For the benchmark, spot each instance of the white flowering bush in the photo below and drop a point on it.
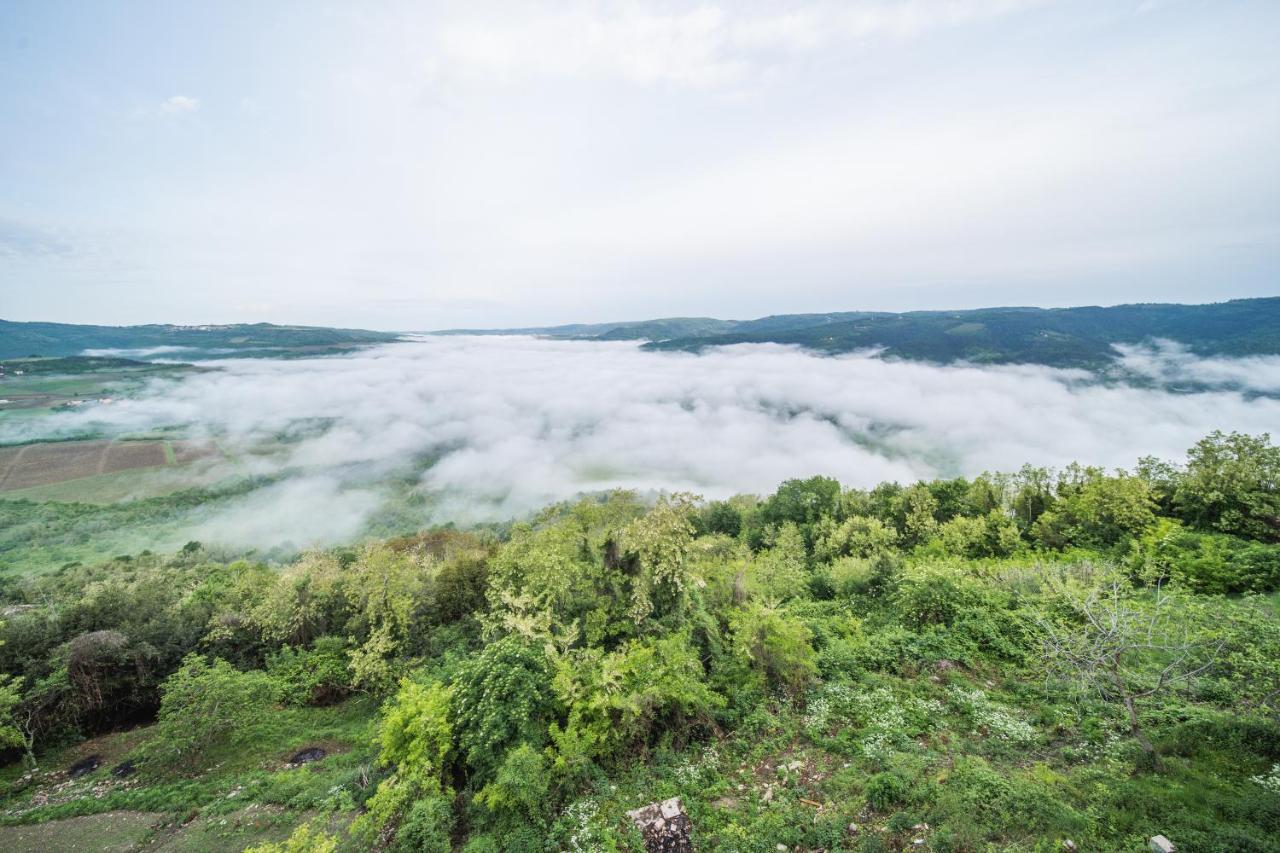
(884, 723)
(983, 712)
(580, 816)
(1269, 781)
(699, 770)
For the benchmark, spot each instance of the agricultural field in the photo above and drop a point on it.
(95, 471)
(33, 386)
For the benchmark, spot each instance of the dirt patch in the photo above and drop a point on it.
(190, 451)
(122, 456)
(109, 831)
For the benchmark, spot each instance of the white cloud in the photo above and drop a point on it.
(179, 105)
(1171, 363)
(517, 422)
(700, 47)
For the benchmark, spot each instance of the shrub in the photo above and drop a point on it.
(620, 699)
(886, 790)
(502, 698)
(208, 705)
(774, 645)
(305, 839)
(315, 676)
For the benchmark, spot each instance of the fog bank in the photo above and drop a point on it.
(492, 427)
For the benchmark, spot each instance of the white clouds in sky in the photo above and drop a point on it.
(414, 166)
(179, 105)
(518, 422)
(699, 46)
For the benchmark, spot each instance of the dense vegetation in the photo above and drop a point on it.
(998, 663)
(18, 340)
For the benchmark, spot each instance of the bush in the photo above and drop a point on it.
(502, 698)
(209, 705)
(886, 790)
(1213, 563)
(315, 676)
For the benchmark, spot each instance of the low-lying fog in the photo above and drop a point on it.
(513, 423)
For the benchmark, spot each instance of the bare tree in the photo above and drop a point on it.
(1129, 646)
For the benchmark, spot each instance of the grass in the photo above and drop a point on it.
(240, 795)
(109, 831)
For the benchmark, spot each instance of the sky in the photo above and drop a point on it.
(431, 165)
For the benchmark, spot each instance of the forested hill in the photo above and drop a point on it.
(1060, 337)
(18, 340)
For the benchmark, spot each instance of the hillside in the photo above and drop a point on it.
(19, 340)
(1058, 337)
(1043, 661)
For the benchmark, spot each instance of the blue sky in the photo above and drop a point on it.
(417, 165)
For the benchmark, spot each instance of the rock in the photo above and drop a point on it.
(1160, 844)
(123, 770)
(84, 765)
(1069, 845)
(852, 829)
(664, 826)
(768, 794)
(311, 753)
(944, 665)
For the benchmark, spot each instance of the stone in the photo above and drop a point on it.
(84, 766)
(852, 828)
(1069, 845)
(664, 826)
(1160, 844)
(312, 753)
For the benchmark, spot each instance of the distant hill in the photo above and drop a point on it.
(18, 340)
(626, 330)
(1060, 337)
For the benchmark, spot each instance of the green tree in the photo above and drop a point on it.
(1232, 484)
(502, 697)
(205, 706)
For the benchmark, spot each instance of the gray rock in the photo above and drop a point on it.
(1160, 844)
(664, 826)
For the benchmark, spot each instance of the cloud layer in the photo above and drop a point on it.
(497, 426)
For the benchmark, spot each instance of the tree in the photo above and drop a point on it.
(1232, 484)
(660, 541)
(502, 697)
(208, 705)
(917, 515)
(1128, 649)
(416, 738)
(10, 700)
(779, 573)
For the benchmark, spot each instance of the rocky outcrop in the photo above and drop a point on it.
(664, 826)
